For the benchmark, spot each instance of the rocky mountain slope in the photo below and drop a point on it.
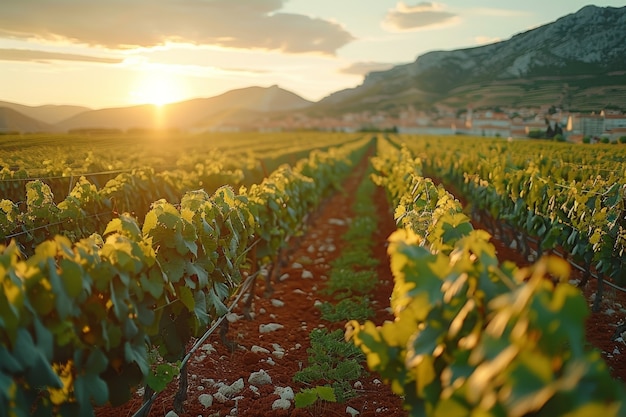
(576, 62)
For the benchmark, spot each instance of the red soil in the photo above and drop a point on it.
(298, 316)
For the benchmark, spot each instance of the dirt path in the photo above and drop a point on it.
(281, 353)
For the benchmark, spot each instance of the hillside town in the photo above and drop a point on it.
(545, 122)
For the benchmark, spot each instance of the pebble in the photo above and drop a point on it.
(270, 327)
(259, 378)
(286, 393)
(206, 400)
(277, 303)
(281, 404)
(353, 412)
(258, 349)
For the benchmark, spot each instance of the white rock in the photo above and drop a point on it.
(283, 277)
(616, 351)
(307, 274)
(270, 361)
(273, 316)
(310, 249)
(262, 310)
(200, 358)
(299, 291)
(270, 327)
(206, 400)
(259, 349)
(328, 248)
(286, 393)
(352, 411)
(317, 303)
(277, 303)
(233, 317)
(358, 385)
(208, 348)
(337, 222)
(208, 381)
(377, 382)
(296, 265)
(171, 414)
(255, 390)
(259, 378)
(200, 388)
(229, 391)
(220, 398)
(281, 404)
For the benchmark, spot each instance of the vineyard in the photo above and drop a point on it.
(125, 259)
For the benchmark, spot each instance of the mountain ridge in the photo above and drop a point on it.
(590, 42)
(575, 63)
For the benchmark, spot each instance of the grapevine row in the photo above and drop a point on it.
(78, 319)
(472, 336)
(59, 161)
(579, 209)
(88, 208)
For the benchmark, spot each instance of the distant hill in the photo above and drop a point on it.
(48, 113)
(577, 62)
(14, 121)
(195, 113)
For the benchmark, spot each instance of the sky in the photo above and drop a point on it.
(115, 53)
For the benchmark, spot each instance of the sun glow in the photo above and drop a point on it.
(158, 88)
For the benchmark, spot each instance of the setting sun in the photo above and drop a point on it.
(158, 88)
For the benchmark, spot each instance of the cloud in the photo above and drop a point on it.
(44, 56)
(423, 15)
(118, 24)
(362, 68)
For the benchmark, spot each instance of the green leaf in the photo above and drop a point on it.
(153, 282)
(185, 295)
(200, 308)
(326, 393)
(137, 353)
(162, 375)
(45, 340)
(62, 301)
(88, 387)
(72, 277)
(305, 398)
